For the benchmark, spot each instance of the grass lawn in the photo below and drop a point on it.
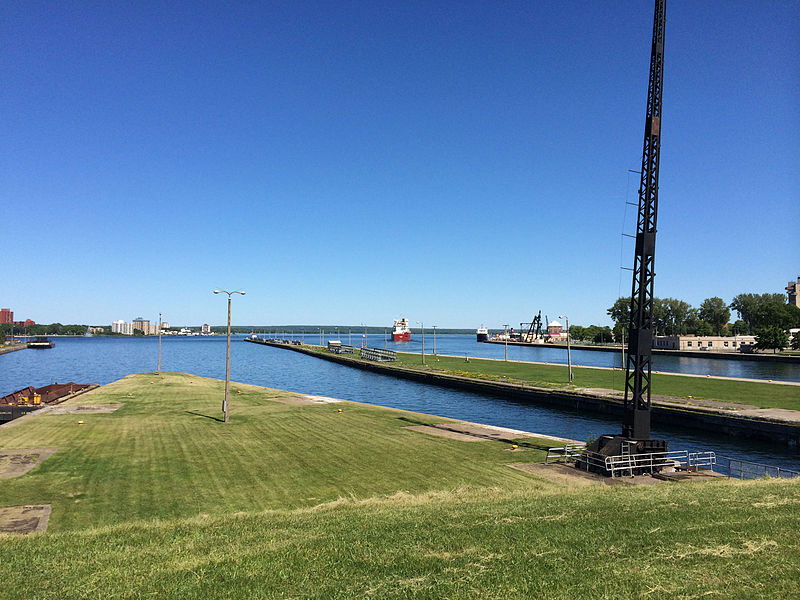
(302, 501)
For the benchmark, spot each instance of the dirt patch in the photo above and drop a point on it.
(304, 400)
(17, 462)
(321, 399)
(446, 433)
(83, 409)
(24, 519)
(563, 474)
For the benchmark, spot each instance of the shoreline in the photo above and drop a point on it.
(772, 425)
(12, 348)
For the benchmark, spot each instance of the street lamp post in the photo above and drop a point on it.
(505, 339)
(434, 340)
(569, 352)
(159, 343)
(422, 326)
(228, 352)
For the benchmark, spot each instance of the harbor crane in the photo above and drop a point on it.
(636, 421)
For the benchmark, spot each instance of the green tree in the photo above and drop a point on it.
(676, 314)
(703, 328)
(747, 306)
(602, 335)
(775, 313)
(620, 312)
(772, 338)
(716, 313)
(577, 332)
(739, 327)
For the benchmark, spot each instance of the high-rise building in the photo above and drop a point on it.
(142, 325)
(792, 291)
(122, 327)
(6, 315)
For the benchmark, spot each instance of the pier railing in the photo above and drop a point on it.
(378, 355)
(744, 469)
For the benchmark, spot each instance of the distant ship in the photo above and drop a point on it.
(41, 343)
(483, 334)
(401, 331)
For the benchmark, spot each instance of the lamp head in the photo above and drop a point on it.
(217, 291)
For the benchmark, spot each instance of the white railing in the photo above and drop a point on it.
(570, 452)
(631, 464)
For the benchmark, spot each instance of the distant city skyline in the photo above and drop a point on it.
(351, 162)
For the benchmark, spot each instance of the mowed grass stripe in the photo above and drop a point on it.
(163, 455)
(655, 541)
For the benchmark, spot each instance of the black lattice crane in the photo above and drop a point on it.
(636, 423)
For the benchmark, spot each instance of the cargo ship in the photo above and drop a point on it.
(482, 333)
(401, 331)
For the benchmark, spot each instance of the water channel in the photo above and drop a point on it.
(103, 360)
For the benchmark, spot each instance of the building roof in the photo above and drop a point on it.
(554, 324)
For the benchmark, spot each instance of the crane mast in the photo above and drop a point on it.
(636, 421)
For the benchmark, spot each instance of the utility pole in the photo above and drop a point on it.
(636, 421)
(228, 352)
(159, 343)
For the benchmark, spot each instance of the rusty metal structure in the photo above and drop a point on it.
(636, 422)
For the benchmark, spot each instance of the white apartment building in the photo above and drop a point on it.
(122, 327)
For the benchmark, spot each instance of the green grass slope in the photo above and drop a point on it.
(289, 501)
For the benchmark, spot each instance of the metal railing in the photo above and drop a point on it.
(342, 349)
(631, 464)
(564, 454)
(378, 355)
(744, 469)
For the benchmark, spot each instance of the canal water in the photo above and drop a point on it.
(102, 360)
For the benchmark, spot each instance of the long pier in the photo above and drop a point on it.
(774, 425)
(795, 359)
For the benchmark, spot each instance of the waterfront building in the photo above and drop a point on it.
(205, 328)
(555, 332)
(6, 315)
(164, 325)
(142, 325)
(791, 290)
(122, 327)
(705, 343)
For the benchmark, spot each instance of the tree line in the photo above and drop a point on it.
(766, 316)
(7, 329)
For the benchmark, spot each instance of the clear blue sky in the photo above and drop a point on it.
(456, 163)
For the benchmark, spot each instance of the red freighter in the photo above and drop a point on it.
(401, 332)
